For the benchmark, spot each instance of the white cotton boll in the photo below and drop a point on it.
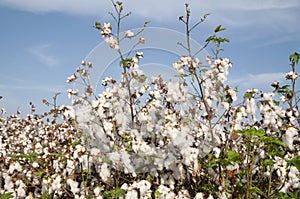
(183, 194)
(225, 105)
(70, 166)
(105, 172)
(293, 175)
(95, 151)
(217, 151)
(35, 165)
(285, 187)
(56, 184)
(210, 197)
(124, 186)
(132, 194)
(8, 184)
(21, 189)
(268, 96)
(97, 191)
(199, 196)
(45, 185)
(144, 187)
(267, 174)
(289, 137)
(15, 166)
(129, 33)
(74, 186)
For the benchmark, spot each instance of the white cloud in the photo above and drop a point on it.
(259, 18)
(33, 88)
(40, 52)
(261, 81)
(161, 10)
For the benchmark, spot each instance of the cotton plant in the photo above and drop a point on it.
(219, 145)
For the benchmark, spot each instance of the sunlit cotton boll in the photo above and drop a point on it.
(105, 172)
(289, 137)
(129, 33)
(74, 186)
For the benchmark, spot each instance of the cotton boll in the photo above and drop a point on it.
(105, 172)
(289, 137)
(74, 186)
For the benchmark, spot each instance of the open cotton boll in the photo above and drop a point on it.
(289, 137)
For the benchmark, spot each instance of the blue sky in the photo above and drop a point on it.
(43, 41)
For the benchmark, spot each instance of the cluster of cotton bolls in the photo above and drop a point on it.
(39, 154)
(171, 141)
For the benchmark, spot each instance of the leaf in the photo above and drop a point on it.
(146, 23)
(114, 193)
(206, 15)
(257, 190)
(248, 95)
(234, 156)
(226, 40)
(119, 3)
(157, 193)
(268, 162)
(219, 28)
(295, 161)
(188, 120)
(45, 102)
(210, 38)
(252, 132)
(7, 195)
(106, 159)
(295, 58)
(276, 102)
(126, 62)
(271, 140)
(118, 192)
(98, 25)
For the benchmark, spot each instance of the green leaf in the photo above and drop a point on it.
(226, 40)
(257, 190)
(271, 140)
(234, 156)
(268, 162)
(248, 95)
(106, 159)
(276, 102)
(146, 23)
(7, 195)
(252, 132)
(126, 62)
(118, 192)
(210, 38)
(219, 28)
(119, 3)
(98, 25)
(188, 120)
(295, 58)
(206, 15)
(295, 161)
(287, 195)
(114, 193)
(157, 193)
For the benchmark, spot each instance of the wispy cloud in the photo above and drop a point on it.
(33, 88)
(260, 81)
(157, 10)
(41, 53)
(269, 18)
